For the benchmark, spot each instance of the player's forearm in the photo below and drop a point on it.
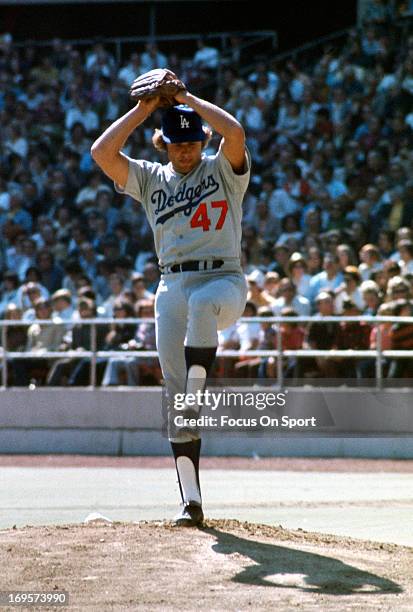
(220, 120)
(111, 142)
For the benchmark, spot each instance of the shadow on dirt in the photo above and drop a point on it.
(282, 567)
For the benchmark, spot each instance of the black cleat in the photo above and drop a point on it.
(191, 515)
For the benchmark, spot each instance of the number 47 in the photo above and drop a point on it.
(200, 217)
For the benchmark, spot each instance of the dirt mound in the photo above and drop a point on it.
(226, 565)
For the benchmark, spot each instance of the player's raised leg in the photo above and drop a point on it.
(216, 304)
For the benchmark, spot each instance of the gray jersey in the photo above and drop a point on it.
(193, 216)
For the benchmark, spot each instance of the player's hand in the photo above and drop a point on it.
(181, 97)
(149, 105)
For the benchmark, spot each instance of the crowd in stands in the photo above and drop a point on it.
(328, 216)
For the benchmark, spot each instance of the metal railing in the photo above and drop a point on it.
(313, 45)
(378, 354)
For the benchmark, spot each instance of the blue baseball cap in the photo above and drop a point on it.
(182, 124)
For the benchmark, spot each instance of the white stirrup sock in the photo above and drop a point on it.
(188, 480)
(195, 381)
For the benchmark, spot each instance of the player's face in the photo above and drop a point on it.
(184, 156)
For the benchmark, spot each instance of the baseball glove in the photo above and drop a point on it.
(159, 82)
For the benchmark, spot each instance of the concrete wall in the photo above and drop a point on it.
(130, 422)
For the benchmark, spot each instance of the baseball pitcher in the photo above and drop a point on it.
(194, 206)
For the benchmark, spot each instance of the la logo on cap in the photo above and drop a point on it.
(184, 122)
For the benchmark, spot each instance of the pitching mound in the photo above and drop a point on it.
(226, 565)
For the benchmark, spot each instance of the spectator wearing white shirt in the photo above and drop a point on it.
(329, 279)
(370, 257)
(113, 104)
(249, 114)
(28, 257)
(349, 290)
(248, 333)
(256, 292)
(309, 110)
(403, 233)
(100, 61)
(264, 90)
(91, 190)
(9, 288)
(117, 286)
(388, 81)
(398, 288)
(89, 259)
(4, 195)
(271, 76)
(78, 142)
(290, 123)
(271, 282)
(13, 254)
(206, 58)
(32, 96)
(290, 229)
(252, 118)
(340, 107)
(370, 45)
(152, 58)
(40, 337)
(79, 112)
(287, 296)
(62, 304)
(406, 256)
(298, 81)
(371, 294)
(282, 204)
(128, 73)
(15, 142)
(334, 187)
(228, 338)
(297, 268)
(409, 120)
(138, 287)
(27, 295)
